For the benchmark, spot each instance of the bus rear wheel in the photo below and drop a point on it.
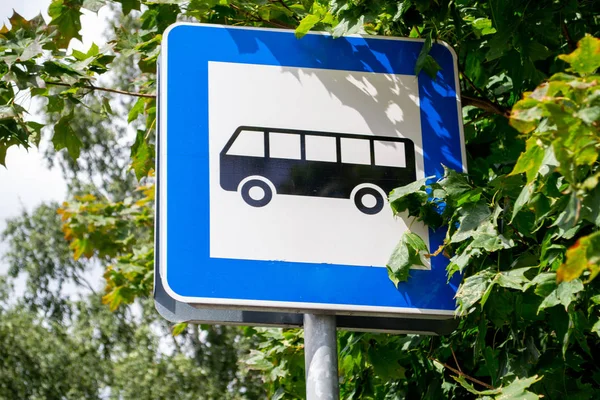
(256, 193)
(368, 200)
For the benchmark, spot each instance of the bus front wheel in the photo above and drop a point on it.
(368, 200)
(256, 193)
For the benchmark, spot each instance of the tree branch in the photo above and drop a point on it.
(86, 283)
(117, 91)
(482, 102)
(455, 360)
(485, 105)
(257, 18)
(282, 3)
(470, 378)
(570, 42)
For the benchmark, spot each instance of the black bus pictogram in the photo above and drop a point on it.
(261, 162)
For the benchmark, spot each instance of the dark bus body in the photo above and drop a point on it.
(304, 177)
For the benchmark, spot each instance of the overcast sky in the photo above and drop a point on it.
(26, 182)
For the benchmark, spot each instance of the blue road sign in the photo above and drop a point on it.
(276, 155)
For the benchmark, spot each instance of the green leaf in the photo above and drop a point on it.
(486, 235)
(385, 362)
(460, 261)
(349, 27)
(512, 279)
(106, 108)
(473, 289)
(129, 5)
(142, 156)
(590, 115)
(179, 328)
(589, 207)
(484, 26)
(425, 62)
(596, 328)
(409, 197)
(471, 389)
(403, 7)
(518, 389)
(258, 361)
(65, 16)
(471, 216)
(55, 104)
(65, 137)
(583, 256)
(408, 253)
(36, 131)
(32, 50)
(569, 217)
(585, 60)
(118, 296)
(454, 183)
(564, 293)
(530, 161)
(307, 24)
(136, 110)
(7, 112)
(93, 5)
(523, 199)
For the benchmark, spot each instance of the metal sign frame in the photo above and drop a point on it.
(176, 311)
(276, 285)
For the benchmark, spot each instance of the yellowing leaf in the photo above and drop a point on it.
(525, 115)
(583, 256)
(586, 58)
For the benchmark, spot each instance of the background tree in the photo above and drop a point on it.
(57, 339)
(522, 225)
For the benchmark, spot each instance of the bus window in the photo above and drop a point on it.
(248, 143)
(320, 148)
(356, 151)
(284, 145)
(389, 154)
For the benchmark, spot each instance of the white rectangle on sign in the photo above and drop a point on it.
(306, 228)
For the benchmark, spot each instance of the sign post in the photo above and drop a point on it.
(275, 157)
(321, 357)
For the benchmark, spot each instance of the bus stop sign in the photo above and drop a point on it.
(275, 159)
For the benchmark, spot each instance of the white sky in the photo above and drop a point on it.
(26, 182)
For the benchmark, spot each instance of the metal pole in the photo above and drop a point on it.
(321, 358)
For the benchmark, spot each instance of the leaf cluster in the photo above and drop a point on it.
(527, 237)
(120, 231)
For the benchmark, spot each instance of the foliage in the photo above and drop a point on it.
(99, 354)
(521, 226)
(124, 354)
(116, 230)
(41, 362)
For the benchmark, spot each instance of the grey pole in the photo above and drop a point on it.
(321, 358)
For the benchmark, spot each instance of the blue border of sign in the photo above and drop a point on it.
(188, 272)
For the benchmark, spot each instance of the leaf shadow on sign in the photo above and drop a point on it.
(383, 108)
